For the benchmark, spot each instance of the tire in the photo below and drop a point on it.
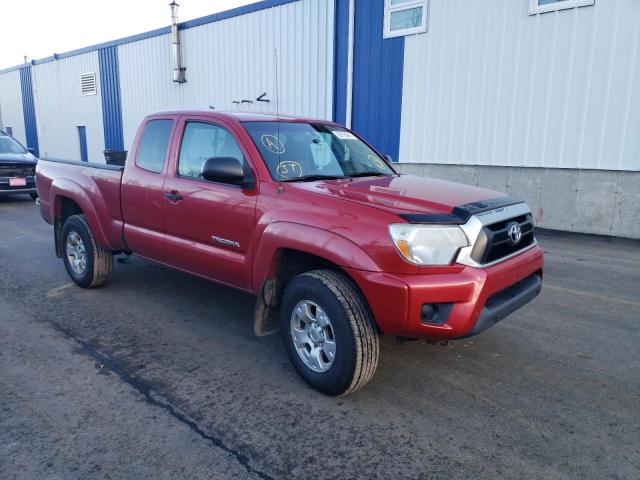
(34, 196)
(355, 340)
(98, 262)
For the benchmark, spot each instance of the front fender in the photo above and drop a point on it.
(92, 210)
(315, 241)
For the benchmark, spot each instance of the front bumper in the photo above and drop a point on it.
(478, 297)
(30, 187)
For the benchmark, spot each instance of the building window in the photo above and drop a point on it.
(543, 6)
(404, 17)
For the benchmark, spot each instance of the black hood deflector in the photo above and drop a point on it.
(461, 214)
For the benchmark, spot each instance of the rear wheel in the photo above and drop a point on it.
(329, 332)
(87, 263)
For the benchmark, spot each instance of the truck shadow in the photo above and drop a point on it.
(219, 320)
(16, 198)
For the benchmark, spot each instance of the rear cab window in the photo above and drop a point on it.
(152, 149)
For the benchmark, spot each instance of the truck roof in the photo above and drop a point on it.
(241, 116)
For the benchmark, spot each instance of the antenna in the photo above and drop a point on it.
(275, 53)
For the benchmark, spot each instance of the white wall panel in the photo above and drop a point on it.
(491, 85)
(60, 108)
(233, 59)
(11, 114)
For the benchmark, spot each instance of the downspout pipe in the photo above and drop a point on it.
(176, 50)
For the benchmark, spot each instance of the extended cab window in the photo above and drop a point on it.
(152, 149)
(202, 141)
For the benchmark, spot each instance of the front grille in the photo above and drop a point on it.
(495, 243)
(17, 170)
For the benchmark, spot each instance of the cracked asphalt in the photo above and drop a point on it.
(158, 375)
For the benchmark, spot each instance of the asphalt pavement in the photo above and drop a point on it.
(158, 375)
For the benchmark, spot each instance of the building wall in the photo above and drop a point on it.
(544, 107)
(489, 84)
(234, 59)
(61, 108)
(11, 114)
(603, 202)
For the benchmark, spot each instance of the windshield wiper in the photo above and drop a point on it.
(311, 178)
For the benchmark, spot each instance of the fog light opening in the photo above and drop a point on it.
(435, 313)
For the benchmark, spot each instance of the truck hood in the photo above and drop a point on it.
(17, 158)
(403, 194)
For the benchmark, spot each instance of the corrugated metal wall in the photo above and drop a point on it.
(490, 85)
(233, 59)
(11, 104)
(61, 109)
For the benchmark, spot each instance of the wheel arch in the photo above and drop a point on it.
(69, 198)
(281, 238)
(287, 250)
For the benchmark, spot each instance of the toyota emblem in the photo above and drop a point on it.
(515, 233)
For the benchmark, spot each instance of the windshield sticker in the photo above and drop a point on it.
(273, 144)
(377, 162)
(289, 169)
(344, 135)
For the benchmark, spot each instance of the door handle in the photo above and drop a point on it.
(173, 195)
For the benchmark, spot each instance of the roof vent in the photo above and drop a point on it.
(88, 84)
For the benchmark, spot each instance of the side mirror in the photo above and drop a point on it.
(388, 158)
(225, 170)
(32, 151)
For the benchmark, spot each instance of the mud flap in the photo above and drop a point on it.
(266, 313)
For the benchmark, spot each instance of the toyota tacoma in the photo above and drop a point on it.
(337, 246)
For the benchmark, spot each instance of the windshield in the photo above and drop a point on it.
(9, 145)
(298, 151)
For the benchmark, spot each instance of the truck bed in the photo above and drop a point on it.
(95, 187)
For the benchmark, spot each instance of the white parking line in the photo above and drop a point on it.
(58, 291)
(592, 295)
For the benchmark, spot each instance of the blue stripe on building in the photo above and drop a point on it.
(111, 102)
(28, 109)
(378, 65)
(340, 60)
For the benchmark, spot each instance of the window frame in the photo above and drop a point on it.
(535, 8)
(248, 171)
(408, 5)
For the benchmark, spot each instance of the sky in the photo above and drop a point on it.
(40, 28)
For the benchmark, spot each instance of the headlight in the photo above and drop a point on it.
(428, 244)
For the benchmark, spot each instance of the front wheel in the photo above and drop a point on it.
(329, 332)
(87, 263)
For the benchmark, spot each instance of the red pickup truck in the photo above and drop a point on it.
(304, 214)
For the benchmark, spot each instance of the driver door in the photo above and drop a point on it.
(209, 226)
